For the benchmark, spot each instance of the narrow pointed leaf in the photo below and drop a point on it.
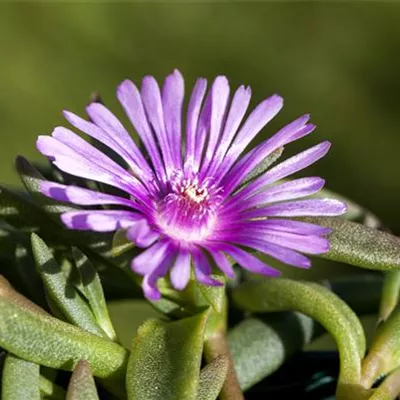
(20, 379)
(26, 267)
(19, 211)
(82, 386)
(319, 303)
(260, 346)
(358, 245)
(212, 377)
(31, 179)
(50, 342)
(60, 289)
(93, 291)
(165, 359)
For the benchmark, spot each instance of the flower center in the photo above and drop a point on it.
(187, 212)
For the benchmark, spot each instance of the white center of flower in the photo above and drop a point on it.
(187, 212)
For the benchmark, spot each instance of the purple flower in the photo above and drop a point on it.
(188, 203)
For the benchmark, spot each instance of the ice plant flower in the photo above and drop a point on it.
(188, 201)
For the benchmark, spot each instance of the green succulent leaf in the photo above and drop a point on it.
(165, 359)
(20, 379)
(389, 389)
(57, 281)
(50, 342)
(49, 390)
(215, 295)
(384, 353)
(8, 292)
(259, 346)
(26, 267)
(19, 211)
(212, 377)
(358, 245)
(82, 385)
(31, 179)
(91, 288)
(390, 294)
(272, 295)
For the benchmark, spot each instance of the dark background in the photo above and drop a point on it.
(340, 61)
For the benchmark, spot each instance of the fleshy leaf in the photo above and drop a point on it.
(358, 245)
(27, 271)
(214, 295)
(389, 389)
(390, 294)
(8, 292)
(384, 353)
(260, 346)
(31, 179)
(92, 290)
(19, 211)
(50, 342)
(165, 359)
(49, 390)
(20, 379)
(319, 303)
(59, 288)
(82, 386)
(212, 377)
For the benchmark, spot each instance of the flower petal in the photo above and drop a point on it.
(150, 258)
(285, 225)
(248, 261)
(152, 102)
(283, 254)
(131, 101)
(295, 189)
(81, 196)
(149, 283)
(203, 129)
(300, 208)
(99, 220)
(141, 234)
(180, 271)
(219, 105)
(237, 110)
(287, 167)
(193, 113)
(109, 131)
(294, 131)
(221, 261)
(172, 100)
(202, 269)
(68, 160)
(307, 244)
(260, 117)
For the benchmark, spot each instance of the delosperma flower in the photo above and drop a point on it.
(189, 202)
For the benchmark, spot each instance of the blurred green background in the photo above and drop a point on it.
(339, 61)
